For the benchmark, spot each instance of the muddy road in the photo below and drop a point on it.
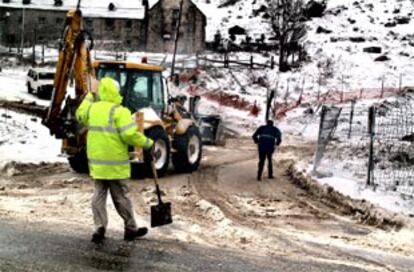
(224, 220)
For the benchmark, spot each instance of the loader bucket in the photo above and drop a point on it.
(209, 126)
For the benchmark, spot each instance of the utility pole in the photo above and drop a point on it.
(177, 33)
(34, 47)
(3, 27)
(22, 34)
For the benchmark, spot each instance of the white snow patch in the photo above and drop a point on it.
(24, 139)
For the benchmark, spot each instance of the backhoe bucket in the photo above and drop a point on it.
(209, 125)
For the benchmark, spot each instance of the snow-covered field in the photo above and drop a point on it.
(353, 69)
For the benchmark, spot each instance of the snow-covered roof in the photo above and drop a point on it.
(90, 8)
(152, 3)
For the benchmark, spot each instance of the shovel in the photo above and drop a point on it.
(160, 213)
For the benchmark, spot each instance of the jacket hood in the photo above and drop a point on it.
(109, 91)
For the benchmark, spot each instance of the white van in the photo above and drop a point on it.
(40, 81)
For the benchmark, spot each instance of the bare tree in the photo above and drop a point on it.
(287, 23)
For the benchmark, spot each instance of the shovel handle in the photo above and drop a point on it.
(155, 174)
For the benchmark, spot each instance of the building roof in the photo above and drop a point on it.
(152, 3)
(90, 8)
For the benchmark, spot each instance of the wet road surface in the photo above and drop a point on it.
(38, 247)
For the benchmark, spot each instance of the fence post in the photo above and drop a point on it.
(360, 93)
(43, 53)
(371, 131)
(317, 155)
(342, 89)
(382, 87)
(270, 96)
(351, 117)
(251, 62)
(400, 84)
(319, 87)
(226, 60)
(272, 62)
(34, 47)
(287, 92)
(301, 91)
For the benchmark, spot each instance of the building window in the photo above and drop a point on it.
(59, 21)
(89, 23)
(128, 24)
(11, 38)
(42, 20)
(110, 24)
(175, 17)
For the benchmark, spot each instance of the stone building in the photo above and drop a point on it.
(123, 25)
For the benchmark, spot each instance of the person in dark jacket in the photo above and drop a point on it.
(266, 137)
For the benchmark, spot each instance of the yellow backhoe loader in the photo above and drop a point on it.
(145, 93)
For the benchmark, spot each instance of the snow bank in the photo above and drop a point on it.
(24, 139)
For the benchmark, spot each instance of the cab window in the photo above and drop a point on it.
(140, 92)
(157, 94)
(119, 75)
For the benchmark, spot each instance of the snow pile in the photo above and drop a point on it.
(24, 139)
(341, 201)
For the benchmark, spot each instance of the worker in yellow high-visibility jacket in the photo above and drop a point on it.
(111, 129)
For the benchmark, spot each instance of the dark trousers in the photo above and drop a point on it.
(263, 154)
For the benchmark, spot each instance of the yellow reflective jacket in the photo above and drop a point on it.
(111, 129)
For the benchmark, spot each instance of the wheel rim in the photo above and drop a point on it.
(193, 151)
(160, 154)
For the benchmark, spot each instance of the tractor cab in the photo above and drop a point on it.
(141, 85)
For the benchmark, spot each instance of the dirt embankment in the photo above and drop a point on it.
(24, 107)
(361, 210)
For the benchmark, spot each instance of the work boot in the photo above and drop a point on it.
(98, 236)
(131, 235)
(271, 177)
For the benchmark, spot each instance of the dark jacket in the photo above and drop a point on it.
(267, 137)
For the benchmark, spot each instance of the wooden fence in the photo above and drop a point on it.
(226, 62)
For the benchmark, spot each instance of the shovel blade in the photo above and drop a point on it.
(161, 214)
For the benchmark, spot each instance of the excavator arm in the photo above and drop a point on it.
(74, 63)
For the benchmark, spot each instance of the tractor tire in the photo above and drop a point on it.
(188, 153)
(29, 89)
(161, 152)
(79, 162)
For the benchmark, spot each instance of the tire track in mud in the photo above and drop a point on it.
(206, 186)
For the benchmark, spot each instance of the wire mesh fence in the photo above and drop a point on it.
(393, 148)
(372, 144)
(346, 154)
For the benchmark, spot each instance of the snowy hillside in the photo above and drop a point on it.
(353, 26)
